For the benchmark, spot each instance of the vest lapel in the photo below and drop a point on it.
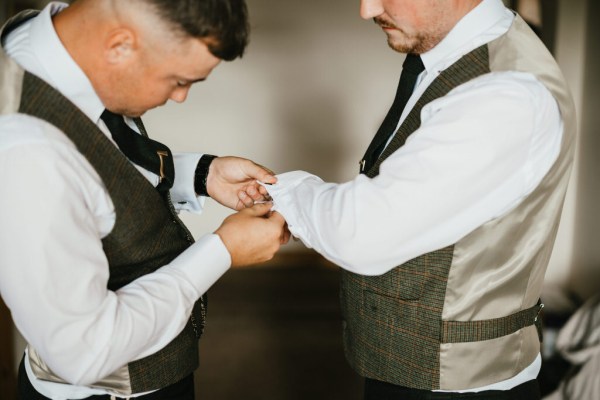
(468, 67)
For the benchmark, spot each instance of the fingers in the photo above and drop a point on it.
(251, 194)
(233, 182)
(245, 201)
(277, 217)
(264, 210)
(285, 232)
(260, 210)
(285, 236)
(270, 174)
(263, 191)
(253, 235)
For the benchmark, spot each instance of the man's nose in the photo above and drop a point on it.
(370, 8)
(180, 94)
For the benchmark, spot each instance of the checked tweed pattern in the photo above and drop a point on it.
(392, 323)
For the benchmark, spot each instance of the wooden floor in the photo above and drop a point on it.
(275, 333)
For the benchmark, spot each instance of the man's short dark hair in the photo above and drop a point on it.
(222, 23)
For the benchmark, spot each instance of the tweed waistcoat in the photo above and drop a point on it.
(464, 316)
(146, 236)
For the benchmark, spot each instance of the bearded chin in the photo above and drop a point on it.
(414, 45)
(402, 46)
(399, 47)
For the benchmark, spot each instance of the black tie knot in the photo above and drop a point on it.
(413, 64)
(141, 150)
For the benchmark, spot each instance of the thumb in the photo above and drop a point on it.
(260, 173)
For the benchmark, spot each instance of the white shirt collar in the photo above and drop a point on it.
(58, 68)
(483, 24)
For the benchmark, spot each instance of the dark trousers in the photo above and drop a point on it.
(182, 390)
(376, 390)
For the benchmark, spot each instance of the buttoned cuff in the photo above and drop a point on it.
(183, 194)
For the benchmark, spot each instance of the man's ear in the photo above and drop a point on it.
(119, 45)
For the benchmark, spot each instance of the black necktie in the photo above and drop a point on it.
(141, 150)
(411, 68)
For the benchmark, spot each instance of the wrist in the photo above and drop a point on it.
(201, 174)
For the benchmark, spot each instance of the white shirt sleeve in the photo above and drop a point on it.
(53, 271)
(479, 151)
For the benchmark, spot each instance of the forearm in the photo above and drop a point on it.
(450, 177)
(84, 332)
(54, 273)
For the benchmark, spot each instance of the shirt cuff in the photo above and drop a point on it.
(183, 194)
(204, 262)
(286, 201)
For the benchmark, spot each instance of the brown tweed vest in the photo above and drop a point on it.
(411, 326)
(147, 233)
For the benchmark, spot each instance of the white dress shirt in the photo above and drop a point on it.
(55, 211)
(479, 151)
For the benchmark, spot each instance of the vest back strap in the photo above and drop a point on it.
(475, 331)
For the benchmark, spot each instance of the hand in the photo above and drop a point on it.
(253, 235)
(232, 182)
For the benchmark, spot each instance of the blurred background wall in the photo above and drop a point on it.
(309, 94)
